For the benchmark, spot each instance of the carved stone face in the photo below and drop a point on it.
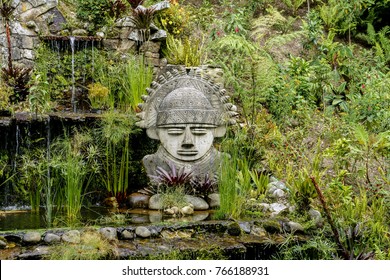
(186, 142)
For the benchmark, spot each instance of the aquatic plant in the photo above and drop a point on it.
(115, 131)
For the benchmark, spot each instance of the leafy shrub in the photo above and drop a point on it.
(98, 95)
(98, 12)
(187, 51)
(174, 20)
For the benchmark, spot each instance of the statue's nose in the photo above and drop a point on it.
(188, 140)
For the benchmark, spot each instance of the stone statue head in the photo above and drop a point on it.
(185, 112)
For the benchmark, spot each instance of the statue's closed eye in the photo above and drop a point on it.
(198, 130)
(175, 131)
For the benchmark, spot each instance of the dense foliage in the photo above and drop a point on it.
(312, 83)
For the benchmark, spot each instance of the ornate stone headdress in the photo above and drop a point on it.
(181, 97)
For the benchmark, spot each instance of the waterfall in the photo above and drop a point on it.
(73, 100)
(48, 201)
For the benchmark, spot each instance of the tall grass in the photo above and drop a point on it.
(72, 162)
(115, 132)
(234, 182)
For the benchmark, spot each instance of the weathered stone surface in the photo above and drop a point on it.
(197, 202)
(28, 54)
(111, 43)
(72, 236)
(234, 229)
(152, 54)
(17, 28)
(150, 46)
(55, 19)
(109, 233)
(37, 254)
(139, 219)
(293, 227)
(279, 185)
(187, 210)
(155, 202)
(36, 3)
(32, 14)
(315, 214)
(32, 237)
(127, 235)
(278, 193)
(51, 238)
(258, 231)
(100, 34)
(160, 35)
(245, 227)
(125, 22)
(277, 207)
(138, 200)
(143, 232)
(214, 200)
(161, 6)
(28, 42)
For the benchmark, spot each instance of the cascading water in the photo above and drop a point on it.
(73, 100)
(49, 204)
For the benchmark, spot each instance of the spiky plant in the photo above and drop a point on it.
(172, 177)
(205, 185)
(142, 19)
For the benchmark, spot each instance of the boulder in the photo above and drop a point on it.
(197, 202)
(187, 210)
(214, 200)
(155, 202)
(72, 236)
(245, 227)
(293, 227)
(32, 237)
(143, 232)
(127, 235)
(51, 238)
(234, 229)
(109, 233)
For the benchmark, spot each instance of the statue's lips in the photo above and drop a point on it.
(187, 152)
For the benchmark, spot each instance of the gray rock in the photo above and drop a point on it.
(234, 229)
(160, 35)
(127, 234)
(293, 227)
(245, 227)
(315, 214)
(72, 236)
(2, 244)
(80, 32)
(271, 188)
(277, 207)
(258, 231)
(36, 3)
(126, 45)
(155, 202)
(32, 14)
(143, 232)
(161, 6)
(37, 254)
(100, 34)
(197, 202)
(214, 200)
(109, 233)
(32, 237)
(278, 193)
(149, 46)
(187, 210)
(27, 42)
(51, 238)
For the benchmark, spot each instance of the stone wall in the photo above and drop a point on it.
(33, 19)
